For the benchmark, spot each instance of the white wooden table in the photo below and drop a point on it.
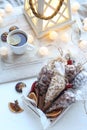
(23, 64)
(74, 119)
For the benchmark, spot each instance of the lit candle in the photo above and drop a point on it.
(8, 8)
(75, 7)
(30, 38)
(3, 51)
(43, 51)
(53, 35)
(65, 37)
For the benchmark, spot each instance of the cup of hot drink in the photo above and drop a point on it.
(18, 41)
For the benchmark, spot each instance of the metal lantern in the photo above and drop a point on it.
(46, 15)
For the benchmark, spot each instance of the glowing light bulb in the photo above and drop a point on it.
(3, 51)
(83, 44)
(8, 8)
(53, 35)
(2, 12)
(1, 20)
(65, 37)
(43, 51)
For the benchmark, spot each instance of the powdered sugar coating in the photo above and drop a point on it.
(56, 86)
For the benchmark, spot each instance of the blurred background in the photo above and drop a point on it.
(16, 3)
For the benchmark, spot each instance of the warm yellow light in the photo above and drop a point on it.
(85, 27)
(65, 37)
(3, 51)
(53, 35)
(30, 38)
(47, 8)
(54, 3)
(83, 44)
(43, 51)
(48, 11)
(1, 20)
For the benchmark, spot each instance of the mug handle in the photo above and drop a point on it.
(30, 47)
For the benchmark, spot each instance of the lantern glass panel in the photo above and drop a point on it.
(47, 7)
(46, 13)
(54, 3)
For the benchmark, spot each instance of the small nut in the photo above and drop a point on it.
(13, 28)
(4, 36)
(14, 107)
(19, 87)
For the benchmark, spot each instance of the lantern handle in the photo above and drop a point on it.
(38, 15)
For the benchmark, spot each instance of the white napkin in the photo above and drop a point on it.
(44, 121)
(30, 104)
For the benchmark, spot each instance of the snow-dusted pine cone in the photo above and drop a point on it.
(56, 86)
